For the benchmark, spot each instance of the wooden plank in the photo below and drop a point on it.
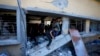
(78, 43)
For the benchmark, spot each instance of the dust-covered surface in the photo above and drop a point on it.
(62, 51)
(93, 48)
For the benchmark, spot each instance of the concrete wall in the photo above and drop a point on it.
(13, 50)
(89, 8)
(10, 2)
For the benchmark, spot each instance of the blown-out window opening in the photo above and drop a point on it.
(78, 24)
(8, 25)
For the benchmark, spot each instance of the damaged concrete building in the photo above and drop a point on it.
(24, 22)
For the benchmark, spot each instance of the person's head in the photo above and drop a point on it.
(58, 19)
(53, 20)
(72, 27)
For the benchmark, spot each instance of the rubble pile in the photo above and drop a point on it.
(41, 39)
(62, 51)
(93, 48)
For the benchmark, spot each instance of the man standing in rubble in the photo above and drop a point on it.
(51, 34)
(56, 22)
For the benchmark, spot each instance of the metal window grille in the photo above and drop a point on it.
(7, 26)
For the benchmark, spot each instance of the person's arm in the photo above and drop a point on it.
(51, 34)
(58, 25)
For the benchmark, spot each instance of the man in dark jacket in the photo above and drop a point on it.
(51, 34)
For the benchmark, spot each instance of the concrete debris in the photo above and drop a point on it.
(29, 45)
(63, 51)
(93, 48)
(4, 53)
(41, 39)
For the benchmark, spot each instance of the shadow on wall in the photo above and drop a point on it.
(97, 1)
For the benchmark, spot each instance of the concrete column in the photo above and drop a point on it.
(21, 30)
(0, 23)
(65, 25)
(87, 26)
(18, 22)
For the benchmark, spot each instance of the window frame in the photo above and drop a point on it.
(11, 41)
(96, 24)
(82, 23)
